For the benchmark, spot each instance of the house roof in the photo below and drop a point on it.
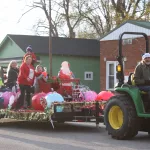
(15, 58)
(144, 24)
(60, 46)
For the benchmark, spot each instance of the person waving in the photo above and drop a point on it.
(25, 80)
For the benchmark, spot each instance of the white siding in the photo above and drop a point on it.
(128, 27)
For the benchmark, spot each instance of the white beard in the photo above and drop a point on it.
(65, 71)
(147, 63)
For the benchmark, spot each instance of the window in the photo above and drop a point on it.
(126, 41)
(88, 76)
(111, 74)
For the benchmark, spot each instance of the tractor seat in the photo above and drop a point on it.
(131, 81)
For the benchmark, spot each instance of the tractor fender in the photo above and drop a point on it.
(135, 95)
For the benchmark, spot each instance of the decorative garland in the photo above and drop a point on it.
(34, 115)
(28, 115)
(54, 79)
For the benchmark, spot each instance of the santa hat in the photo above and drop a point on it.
(29, 49)
(146, 55)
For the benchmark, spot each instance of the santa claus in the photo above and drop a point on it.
(65, 73)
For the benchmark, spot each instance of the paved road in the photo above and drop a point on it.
(68, 136)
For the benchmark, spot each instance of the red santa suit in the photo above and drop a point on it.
(65, 73)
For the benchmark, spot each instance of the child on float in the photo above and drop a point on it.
(26, 78)
(31, 53)
(43, 76)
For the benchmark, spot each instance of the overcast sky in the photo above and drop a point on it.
(11, 11)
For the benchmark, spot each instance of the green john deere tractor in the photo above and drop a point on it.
(128, 111)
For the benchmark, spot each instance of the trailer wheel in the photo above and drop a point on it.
(120, 117)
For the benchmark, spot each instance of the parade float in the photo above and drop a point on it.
(62, 98)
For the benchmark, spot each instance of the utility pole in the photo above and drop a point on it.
(50, 40)
(50, 35)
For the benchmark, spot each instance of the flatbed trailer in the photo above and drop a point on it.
(79, 112)
(71, 112)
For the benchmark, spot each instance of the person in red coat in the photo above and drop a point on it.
(29, 52)
(43, 77)
(25, 80)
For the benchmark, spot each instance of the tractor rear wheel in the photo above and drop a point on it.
(120, 117)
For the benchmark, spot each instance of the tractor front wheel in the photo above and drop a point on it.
(120, 117)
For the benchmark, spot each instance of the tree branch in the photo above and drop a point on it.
(25, 13)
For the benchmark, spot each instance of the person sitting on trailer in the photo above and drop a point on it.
(142, 74)
(43, 76)
(31, 53)
(12, 74)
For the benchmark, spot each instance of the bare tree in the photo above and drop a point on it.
(42, 25)
(71, 14)
(97, 15)
(130, 9)
(103, 15)
(66, 15)
(86, 18)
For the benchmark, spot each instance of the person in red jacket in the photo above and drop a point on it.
(25, 80)
(29, 52)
